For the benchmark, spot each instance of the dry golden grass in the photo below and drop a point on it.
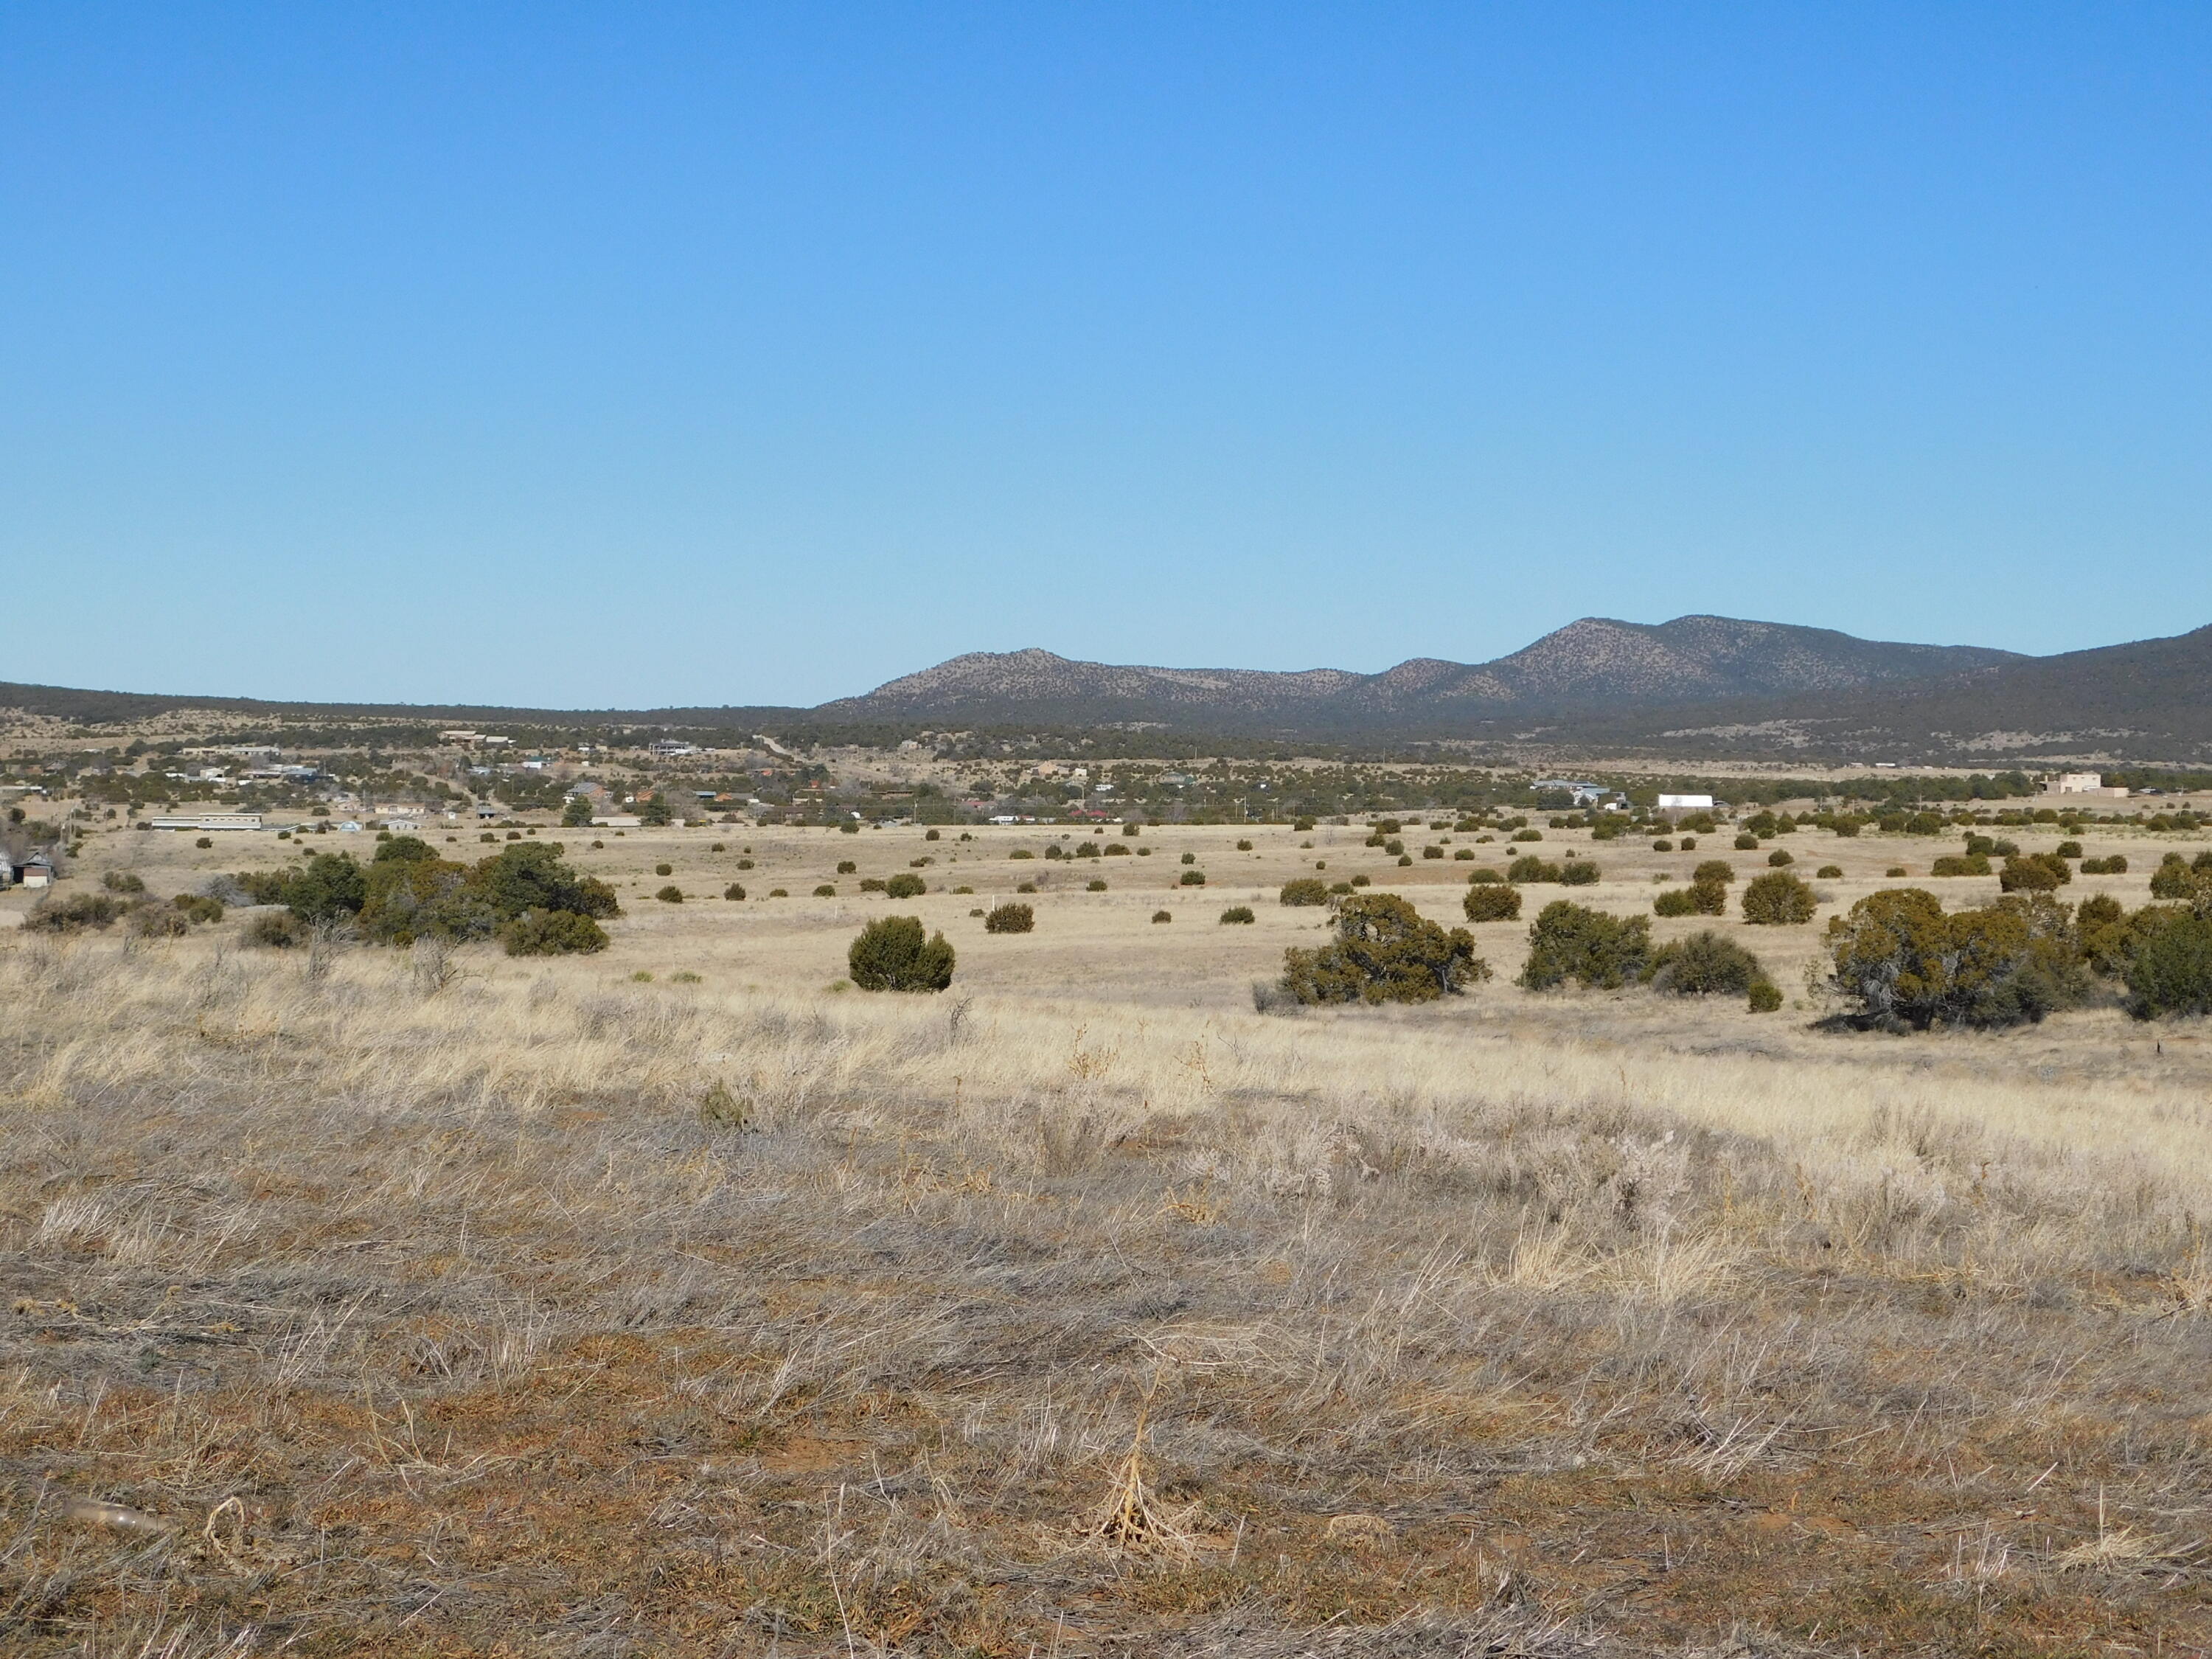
(1079, 1309)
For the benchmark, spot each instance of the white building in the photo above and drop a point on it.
(1685, 803)
(2082, 783)
(211, 821)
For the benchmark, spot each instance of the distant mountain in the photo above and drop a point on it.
(1593, 664)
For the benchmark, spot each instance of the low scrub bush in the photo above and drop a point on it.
(1093, 886)
(1483, 876)
(1704, 964)
(847, 867)
(1700, 898)
(1779, 857)
(1305, 891)
(664, 869)
(1009, 919)
(1384, 951)
(1578, 873)
(1714, 870)
(1237, 913)
(1492, 903)
(277, 930)
(673, 894)
(1570, 941)
(552, 934)
(1970, 864)
(892, 954)
(1746, 843)
(1162, 915)
(873, 885)
(825, 890)
(2115, 866)
(2037, 873)
(2067, 849)
(1191, 878)
(1765, 997)
(120, 881)
(2169, 968)
(905, 885)
(74, 914)
(1527, 834)
(1904, 963)
(2174, 879)
(734, 891)
(1530, 868)
(1835, 872)
(1778, 900)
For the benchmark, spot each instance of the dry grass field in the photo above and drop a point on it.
(552, 1308)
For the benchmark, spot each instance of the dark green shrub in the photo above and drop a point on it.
(198, 909)
(1972, 864)
(1704, 964)
(2067, 849)
(204, 842)
(2004, 850)
(1244, 846)
(1025, 887)
(1700, 898)
(1009, 919)
(1093, 886)
(1779, 857)
(1530, 868)
(660, 869)
(1340, 888)
(1384, 951)
(1483, 876)
(1432, 852)
(1192, 878)
(1714, 870)
(1306, 889)
(933, 835)
(1190, 858)
(1662, 845)
(1133, 829)
(1570, 941)
(2037, 873)
(847, 867)
(1492, 903)
(152, 921)
(1923, 824)
(1688, 844)
(1237, 913)
(1464, 855)
(673, 894)
(1021, 853)
(904, 885)
(2115, 866)
(825, 890)
(2169, 971)
(1526, 835)
(1116, 851)
(733, 892)
(1162, 915)
(1578, 873)
(118, 881)
(892, 954)
(873, 885)
(278, 930)
(2173, 878)
(743, 864)
(1905, 963)
(849, 827)
(1778, 899)
(552, 934)
(1765, 997)
(1360, 881)
(1746, 843)
(1835, 872)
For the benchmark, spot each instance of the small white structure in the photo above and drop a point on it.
(625, 821)
(211, 821)
(38, 871)
(1685, 803)
(2081, 783)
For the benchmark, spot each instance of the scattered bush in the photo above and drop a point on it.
(1162, 915)
(1570, 941)
(849, 827)
(1704, 964)
(1526, 835)
(1530, 868)
(1778, 899)
(658, 869)
(1025, 887)
(552, 934)
(2067, 849)
(2037, 873)
(2173, 879)
(1483, 876)
(892, 954)
(733, 892)
(1779, 857)
(1237, 913)
(1492, 903)
(1009, 919)
(1662, 845)
(1765, 997)
(1714, 870)
(204, 842)
(1700, 898)
(1972, 864)
(2169, 971)
(118, 881)
(825, 890)
(1305, 891)
(904, 885)
(277, 930)
(1361, 881)
(1895, 872)
(2115, 866)
(1116, 851)
(873, 885)
(1244, 846)
(1093, 886)
(1578, 873)
(1835, 872)
(74, 914)
(1384, 951)
(1192, 878)
(673, 894)
(1905, 963)
(847, 867)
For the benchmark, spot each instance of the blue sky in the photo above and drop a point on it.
(632, 353)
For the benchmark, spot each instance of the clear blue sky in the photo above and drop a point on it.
(636, 353)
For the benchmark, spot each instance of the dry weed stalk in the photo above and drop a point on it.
(1131, 1518)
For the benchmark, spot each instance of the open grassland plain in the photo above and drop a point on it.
(370, 1301)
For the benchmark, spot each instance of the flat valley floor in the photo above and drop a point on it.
(684, 1299)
